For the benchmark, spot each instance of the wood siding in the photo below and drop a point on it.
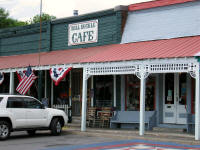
(25, 39)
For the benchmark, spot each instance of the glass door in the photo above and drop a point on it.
(169, 99)
(175, 98)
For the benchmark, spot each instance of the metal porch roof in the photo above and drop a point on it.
(155, 3)
(169, 48)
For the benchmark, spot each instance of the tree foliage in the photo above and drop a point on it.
(44, 17)
(6, 21)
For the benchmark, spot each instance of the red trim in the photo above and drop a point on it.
(156, 3)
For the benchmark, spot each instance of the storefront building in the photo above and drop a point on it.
(65, 42)
(144, 64)
(158, 65)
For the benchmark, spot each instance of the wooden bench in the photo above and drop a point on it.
(132, 117)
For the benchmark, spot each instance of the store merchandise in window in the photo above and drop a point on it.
(133, 93)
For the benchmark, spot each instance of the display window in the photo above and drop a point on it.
(133, 93)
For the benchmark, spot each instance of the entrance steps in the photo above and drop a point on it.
(172, 128)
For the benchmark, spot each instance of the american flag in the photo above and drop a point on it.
(1, 78)
(26, 82)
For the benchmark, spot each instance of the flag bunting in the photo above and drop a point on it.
(57, 74)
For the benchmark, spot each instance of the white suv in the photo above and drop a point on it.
(19, 113)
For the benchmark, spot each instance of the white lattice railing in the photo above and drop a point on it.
(165, 66)
(108, 70)
(62, 107)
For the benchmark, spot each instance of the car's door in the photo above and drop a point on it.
(15, 105)
(36, 114)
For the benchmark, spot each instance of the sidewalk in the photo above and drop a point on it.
(162, 135)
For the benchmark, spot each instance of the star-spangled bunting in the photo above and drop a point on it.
(26, 81)
(1, 78)
(57, 74)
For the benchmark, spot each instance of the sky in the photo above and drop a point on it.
(24, 10)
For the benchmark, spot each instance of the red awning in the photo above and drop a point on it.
(179, 47)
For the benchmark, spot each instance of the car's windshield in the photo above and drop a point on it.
(1, 99)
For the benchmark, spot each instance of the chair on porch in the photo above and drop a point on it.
(93, 119)
(105, 116)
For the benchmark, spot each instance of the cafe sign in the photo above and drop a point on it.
(83, 32)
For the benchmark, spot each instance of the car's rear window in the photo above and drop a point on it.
(1, 99)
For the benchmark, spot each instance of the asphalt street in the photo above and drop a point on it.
(71, 141)
(44, 140)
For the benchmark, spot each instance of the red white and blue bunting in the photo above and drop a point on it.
(57, 74)
(1, 77)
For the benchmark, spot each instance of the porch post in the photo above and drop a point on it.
(114, 91)
(11, 88)
(51, 93)
(84, 101)
(92, 89)
(197, 106)
(142, 103)
(123, 93)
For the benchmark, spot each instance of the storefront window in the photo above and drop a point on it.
(133, 93)
(103, 91)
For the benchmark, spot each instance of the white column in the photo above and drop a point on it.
(123, 93)
(11, 88)
(114, 91)
(45, 84)
(197, 106)
(92, 90)
(84, 101)
(51, 93)
(142, 104)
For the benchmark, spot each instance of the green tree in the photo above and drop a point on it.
(6, 21)
(44, 17)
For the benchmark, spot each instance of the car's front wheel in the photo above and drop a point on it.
(4, 130)
(56, 127)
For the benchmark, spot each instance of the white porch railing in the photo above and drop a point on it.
(63, 107)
